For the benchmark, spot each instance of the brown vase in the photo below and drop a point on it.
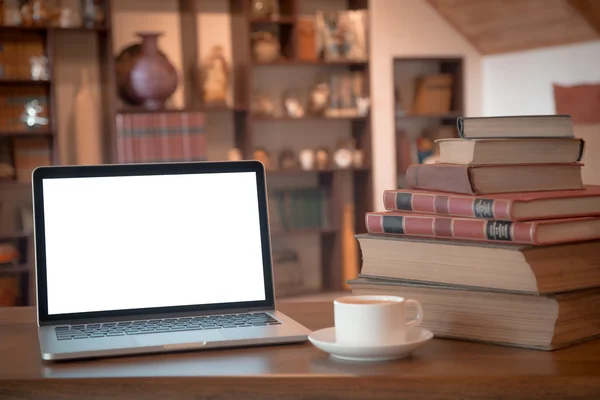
(151, 77)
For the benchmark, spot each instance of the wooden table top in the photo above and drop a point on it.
(443, 369)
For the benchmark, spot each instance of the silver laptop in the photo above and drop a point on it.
(151, 258)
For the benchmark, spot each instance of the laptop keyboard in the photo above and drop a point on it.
(110, 329)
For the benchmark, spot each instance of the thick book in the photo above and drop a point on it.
(508, 267)
(510, 151)
(525, 206)
(484, 179)
(538, 322)
(542, 232)
(526, 126)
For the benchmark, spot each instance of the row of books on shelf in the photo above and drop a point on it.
(23, 109)
(16, 55)
(299, 209)
(152, 137)
(499, 240)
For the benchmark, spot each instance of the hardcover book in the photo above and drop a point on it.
(483, 179)
(522, 206)
(540, 232)
(498, 266)
(534, 126)
(510, 151)
(540, 322)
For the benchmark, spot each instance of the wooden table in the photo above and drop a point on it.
(443, 369)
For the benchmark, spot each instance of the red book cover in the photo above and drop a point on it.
(121, 154)
(136, 144)
(175, 140)
(165, 152)
(185, 136)
(491, 206)
(197, 136)
(409, 224)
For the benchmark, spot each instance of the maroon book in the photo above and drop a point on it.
(541, 232)
(506, 206)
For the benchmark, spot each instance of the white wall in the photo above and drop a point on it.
(521, 83)
(409, 28)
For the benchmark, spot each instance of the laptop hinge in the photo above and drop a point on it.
(153, 316)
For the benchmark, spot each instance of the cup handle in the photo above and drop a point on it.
(419, 318)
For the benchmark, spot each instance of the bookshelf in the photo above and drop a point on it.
(416, 129)
(16, 83)
(346, 187)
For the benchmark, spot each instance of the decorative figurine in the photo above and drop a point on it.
(262, 155)
(31, 114)
(319, 99)
(34, 12)
(358, 158)
(265, 9)
(93, 15)
(292, 105)
(70, 14)
(216, 82)
(322, 158)
(287, 159)
(234, 154)
(263, 105)
(265, 46)
(39, 68)
(307, 159)
(343, 157)
(12, 13)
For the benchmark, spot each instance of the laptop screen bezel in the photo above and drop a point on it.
(42, 173)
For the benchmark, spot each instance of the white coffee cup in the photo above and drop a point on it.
(373, 320)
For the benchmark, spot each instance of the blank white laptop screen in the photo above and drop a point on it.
(116, 243)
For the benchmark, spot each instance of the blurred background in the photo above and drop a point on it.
(335, 97)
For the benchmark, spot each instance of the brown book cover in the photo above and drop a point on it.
(307, 39)
(504, 206)
(525, 126)
(541, 232)
(463, 179)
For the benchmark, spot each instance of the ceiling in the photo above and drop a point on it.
(501, 26)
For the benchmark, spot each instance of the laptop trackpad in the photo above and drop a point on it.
(176, 338)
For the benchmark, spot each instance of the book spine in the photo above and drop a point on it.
(440, 177)
(458, 206)
(454, 228)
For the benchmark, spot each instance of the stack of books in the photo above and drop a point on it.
(499, 241)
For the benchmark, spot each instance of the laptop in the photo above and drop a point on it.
(150, 258)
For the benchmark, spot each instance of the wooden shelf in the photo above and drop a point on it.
(280, 20)
(316, 171)
(14, 236)
(452, 115)
(259, 118)
(19, 81)
(45, 29)
(287, 62)
(32, 133)
(142, 110)
(304, 231)
(15, 269)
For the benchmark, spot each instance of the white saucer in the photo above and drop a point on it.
(324, 339)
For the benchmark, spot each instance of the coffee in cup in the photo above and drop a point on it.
(373, 320)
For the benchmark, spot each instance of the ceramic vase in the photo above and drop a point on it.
(151, 78)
